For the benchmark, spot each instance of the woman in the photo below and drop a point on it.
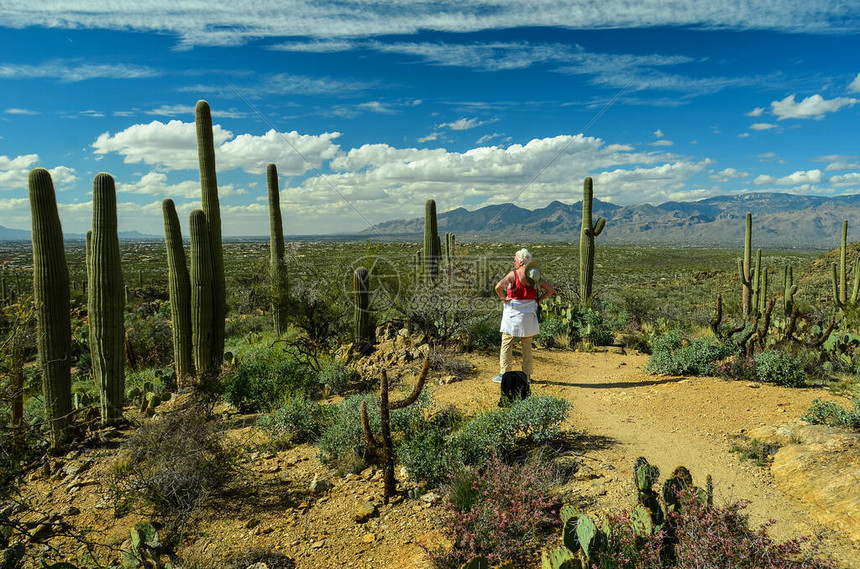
(519, 319)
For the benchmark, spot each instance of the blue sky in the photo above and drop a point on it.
(369, 108)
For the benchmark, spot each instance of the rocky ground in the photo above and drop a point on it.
(288, 510)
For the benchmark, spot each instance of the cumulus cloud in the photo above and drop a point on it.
(756, 112)
(658, 133)
(762, 126)
(814, 107)
(173, 146)
(15, 171)
(846, 180)
(854, 86)
(729, 174)
(795, 179)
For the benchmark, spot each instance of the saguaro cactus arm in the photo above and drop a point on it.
(179, 289)
(205, 357)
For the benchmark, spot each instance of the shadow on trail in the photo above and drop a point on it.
(613, 385)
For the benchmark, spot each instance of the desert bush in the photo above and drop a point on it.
(157, 380)
(513, 504)
(335, 377)
(672, 356)
(264, 378)
(773, 366)
(343, 446)
(150, 339)
(450, 364)
(755, 450)
(173, 464)
(481, 333)
(738, 367)
(536, 419)
(299, 420)
(240, 326)
(429, 456)
(553, 334)
(823, 412)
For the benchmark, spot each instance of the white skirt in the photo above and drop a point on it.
(520, 318)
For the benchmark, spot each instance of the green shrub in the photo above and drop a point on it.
(551, 329)
(299, 420)
(778, 367)
(342, 445)
(157, 380)
(265, 378)
(335, 377)
(831, 413)
(671, 356)
(429, 456)
(481, 333)
(149, 341)
(538, 419)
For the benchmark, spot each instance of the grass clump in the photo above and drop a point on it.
(754, 450)
(673, 355)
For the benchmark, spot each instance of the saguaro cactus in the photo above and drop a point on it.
(840, 287)
(385, 408)
(51, 295)
(432, 247)
(745, 269)
(107, 300)
(202, 317)
(276, 253)
(362, 326)
(212, 209)
(179, 288)
(586, 243)
(789, 291)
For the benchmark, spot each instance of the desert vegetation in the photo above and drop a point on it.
(142, 355)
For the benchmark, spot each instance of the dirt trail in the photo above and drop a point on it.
(671, 421)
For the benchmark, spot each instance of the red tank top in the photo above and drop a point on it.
(520, 291)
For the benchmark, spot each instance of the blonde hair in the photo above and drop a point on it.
(524, 256)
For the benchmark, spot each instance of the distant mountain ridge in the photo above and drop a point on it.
(7, 234)
(779, 220)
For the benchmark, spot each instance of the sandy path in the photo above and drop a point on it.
(669, 420)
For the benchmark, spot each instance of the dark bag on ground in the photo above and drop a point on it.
(515, 385)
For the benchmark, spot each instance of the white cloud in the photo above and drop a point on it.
(845, 180)
(430, 137)
(73, 71)
(744, 135)
(243, 20)
(733, 173)
(756, 112)
(377, 107)
(14, 111)
(663, 142)
(762, 126)
(188, 110)
(317, 46)
(797, 178)
(14, 172)
(173, 146)
(488, 137)
(814, 106)
(854, 86)
(461, 124)
(658, 133)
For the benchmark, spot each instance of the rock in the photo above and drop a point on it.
(448, 379)
(364, 511)
(403, 332)
(368, 538)
(367, 473)
(318, 544)
(404, 474)
(430, 497)
(319, 485)
(71, 511)
(754, 385)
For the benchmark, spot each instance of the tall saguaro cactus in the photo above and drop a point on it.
(790, 289)
(840, 287)
(586, 243)
(179, 288)
(745, 269)
(432, 245)
(276, 253)
(385, 408)
(51, 295)
(362, 326)
(212, 209)
(202, 318)
(106, 300)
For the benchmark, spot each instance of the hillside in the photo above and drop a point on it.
(781, 220)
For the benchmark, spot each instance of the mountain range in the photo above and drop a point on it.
(779, 220)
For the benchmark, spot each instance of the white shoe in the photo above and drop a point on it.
(497, 379)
